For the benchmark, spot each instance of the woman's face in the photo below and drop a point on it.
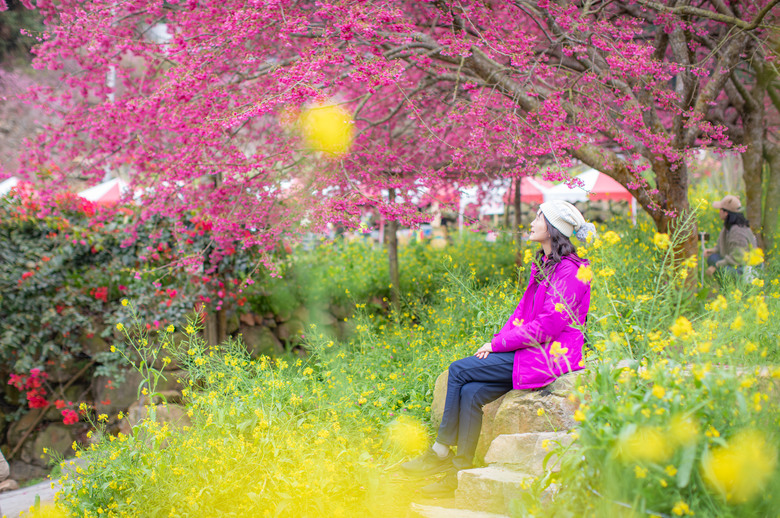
(539, 229)
(723, 214)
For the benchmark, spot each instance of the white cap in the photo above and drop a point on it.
(567, 219)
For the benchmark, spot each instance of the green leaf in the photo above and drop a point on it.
(686, 465)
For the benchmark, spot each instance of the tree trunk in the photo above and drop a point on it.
(772, 199)
(516, 232)
(212, 329)
(753, 159)
(391, 238)
(675, 209)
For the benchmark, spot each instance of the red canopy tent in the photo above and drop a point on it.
(531, 191)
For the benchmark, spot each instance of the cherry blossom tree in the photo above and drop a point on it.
(204, 118)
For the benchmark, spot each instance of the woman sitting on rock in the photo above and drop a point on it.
(734, 240)
(542, 340)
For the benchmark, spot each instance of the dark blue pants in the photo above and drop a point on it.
(732, 270)
(472, 383)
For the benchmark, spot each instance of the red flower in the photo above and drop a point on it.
(69, 416)
(101, 293)
(27, 275)
(45, 259)
(36, 401)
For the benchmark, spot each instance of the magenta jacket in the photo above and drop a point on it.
(536, 325)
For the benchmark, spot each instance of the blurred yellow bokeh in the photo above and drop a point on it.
(327, 128)
(740, 470)
(407, 435)
(45, 511)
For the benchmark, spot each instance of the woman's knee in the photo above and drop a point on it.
(457, 367)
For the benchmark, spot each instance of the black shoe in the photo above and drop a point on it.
(444, 487)
(429, 463)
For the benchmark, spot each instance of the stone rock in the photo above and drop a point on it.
(321, 318)
(439, 395)
(3, 423)
(517, 410)
(340, 312)
(56, 438)
(22, 471)
(11, 395)
(489, 489)
(290, 331)
(248, 319)
(260, 340)
(63, 372)
(20, 427)
(431, 511)
(302, 313)
(233, 323)
(94, 344)
(113, 396)
(175, 415)
(525, 452)
(5, 470)
(269, 323)
(8, 485)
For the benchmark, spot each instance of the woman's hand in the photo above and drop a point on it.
(483, 351)
(711, 270)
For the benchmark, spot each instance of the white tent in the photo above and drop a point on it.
(8, 184)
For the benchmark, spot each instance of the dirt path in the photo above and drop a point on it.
(14, 502)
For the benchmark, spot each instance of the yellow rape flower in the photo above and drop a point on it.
(762, 311)
(584, 274)
(610, 237)
(644, 444)
(661, 241)
(606, 272)
(719, 304)
(556, 350)
(683, 430)
(738, 323)
(681, 509)
(659, 391)
(120, 327)
(754, 257)
(740, 470)
(124, 302)
(681, 328)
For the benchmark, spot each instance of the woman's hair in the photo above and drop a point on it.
(735, 218)
(560, 247)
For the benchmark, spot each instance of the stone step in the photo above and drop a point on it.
(430, 511)
(525, 452)
(490, 489)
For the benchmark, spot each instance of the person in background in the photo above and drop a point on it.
(734, 239)
(540, 341)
